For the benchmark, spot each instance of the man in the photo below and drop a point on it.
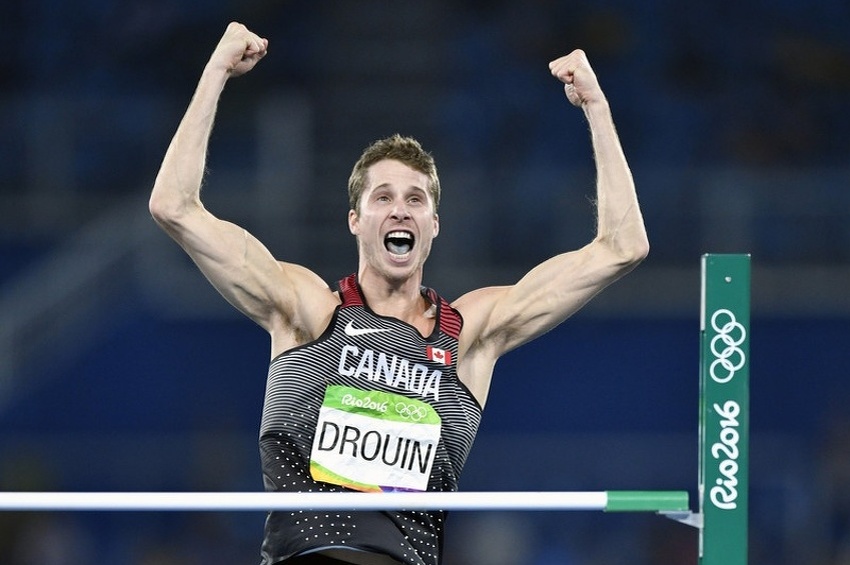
(378, 383)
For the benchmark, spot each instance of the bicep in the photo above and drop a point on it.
(238, 265)
(546, 296)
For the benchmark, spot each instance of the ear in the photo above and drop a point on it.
(436, 224)
(353, 222)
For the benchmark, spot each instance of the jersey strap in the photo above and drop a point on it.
(449, 319)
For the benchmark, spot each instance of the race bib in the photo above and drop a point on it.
(374, 441)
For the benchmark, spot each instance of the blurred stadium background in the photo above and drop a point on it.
(120, 369)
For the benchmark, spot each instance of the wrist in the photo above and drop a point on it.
(597, 106)
(597, 112)
(212, 80)
(215, 71)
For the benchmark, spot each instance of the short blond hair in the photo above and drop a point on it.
(400, 148)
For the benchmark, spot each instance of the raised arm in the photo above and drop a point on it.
(498, 319)
(237, 264)
(176, 192)
(620, 228)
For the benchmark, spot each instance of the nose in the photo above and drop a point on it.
(400, 212)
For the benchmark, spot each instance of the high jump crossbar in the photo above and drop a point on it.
(608, 501)
(723, 452)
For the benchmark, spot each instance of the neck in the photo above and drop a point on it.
(399, 299)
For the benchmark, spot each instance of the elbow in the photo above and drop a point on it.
(163, 214)
(157, 207)
(166, 211)
(638, 250)
(628, 254)
(631, 245)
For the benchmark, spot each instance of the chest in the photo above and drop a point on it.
(368, 351)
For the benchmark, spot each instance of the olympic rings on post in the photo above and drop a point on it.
(731, 335)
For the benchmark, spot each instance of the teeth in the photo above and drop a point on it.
(399, 242)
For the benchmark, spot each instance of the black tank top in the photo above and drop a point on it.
(361, 351)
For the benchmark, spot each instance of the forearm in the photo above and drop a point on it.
(178, 183)
(619, 219)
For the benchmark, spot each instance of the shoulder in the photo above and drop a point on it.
(308, 308)
(302, 275)
(479, 301)
(476, 307)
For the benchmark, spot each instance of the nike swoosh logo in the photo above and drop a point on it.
(350, 330)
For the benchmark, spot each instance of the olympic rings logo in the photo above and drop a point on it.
(730, 335)
(410, 411)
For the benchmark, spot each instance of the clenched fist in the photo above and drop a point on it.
(238, 50)
(579, 80)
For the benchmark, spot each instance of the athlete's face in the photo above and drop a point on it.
(396, 221)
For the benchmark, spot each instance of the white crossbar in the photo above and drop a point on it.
(252, 501)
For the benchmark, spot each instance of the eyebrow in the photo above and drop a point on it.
(414, 188)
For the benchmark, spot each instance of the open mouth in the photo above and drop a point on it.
(399, 242)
